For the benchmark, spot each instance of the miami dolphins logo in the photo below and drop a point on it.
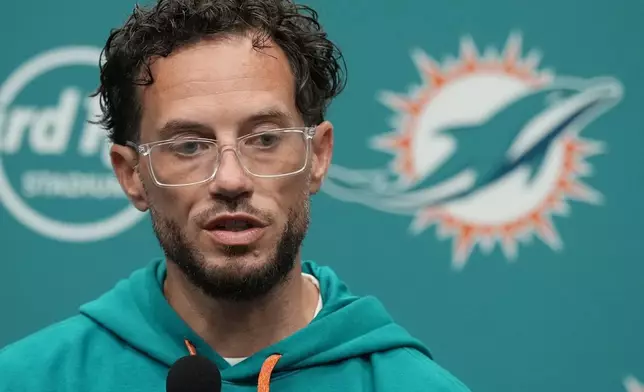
(488, 148)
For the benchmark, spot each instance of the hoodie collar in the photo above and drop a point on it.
(137, 311)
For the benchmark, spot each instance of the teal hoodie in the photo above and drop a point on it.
(127, 340)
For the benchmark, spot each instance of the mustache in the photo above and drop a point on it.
(241, 206)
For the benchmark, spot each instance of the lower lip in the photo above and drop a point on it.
(236, 238)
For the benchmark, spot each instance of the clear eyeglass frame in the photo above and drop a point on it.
(307, 133)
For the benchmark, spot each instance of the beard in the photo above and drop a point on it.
(235, 281)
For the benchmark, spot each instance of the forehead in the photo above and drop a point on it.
(220, 83)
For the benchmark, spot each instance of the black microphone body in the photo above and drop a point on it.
(193, 373)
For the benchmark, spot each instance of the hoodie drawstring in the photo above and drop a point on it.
(191, 347)
(264, 379)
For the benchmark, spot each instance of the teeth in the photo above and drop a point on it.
(236, 225)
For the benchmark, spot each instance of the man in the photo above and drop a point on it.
(216, 110)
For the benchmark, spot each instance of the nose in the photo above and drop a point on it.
(231, 181)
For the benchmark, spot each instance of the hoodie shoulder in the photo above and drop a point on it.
(42, 360)
(412, 371)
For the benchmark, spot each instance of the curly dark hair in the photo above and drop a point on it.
(316, 62)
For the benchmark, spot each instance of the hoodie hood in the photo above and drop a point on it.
(348, 326)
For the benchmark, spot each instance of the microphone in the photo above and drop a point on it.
(193, 373)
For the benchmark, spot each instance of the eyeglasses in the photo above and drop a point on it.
(186, 161)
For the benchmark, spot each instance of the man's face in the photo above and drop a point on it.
(222, 90)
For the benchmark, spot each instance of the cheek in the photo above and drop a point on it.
(285, 195)
(169, 203)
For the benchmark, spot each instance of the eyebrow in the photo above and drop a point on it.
(279, 117)
(172, 127)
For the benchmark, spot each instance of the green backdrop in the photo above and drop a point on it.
(487, 183)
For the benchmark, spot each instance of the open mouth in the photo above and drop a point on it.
(236, 229)
(234, 222)
(235, 225)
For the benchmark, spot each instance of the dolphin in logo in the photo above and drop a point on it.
(519, 135)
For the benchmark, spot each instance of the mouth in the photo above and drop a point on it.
(235, 229)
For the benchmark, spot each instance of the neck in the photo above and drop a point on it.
(240, 329)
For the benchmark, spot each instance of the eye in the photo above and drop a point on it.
(265, 140)
(189, 147)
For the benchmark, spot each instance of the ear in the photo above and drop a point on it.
(124, 161)
(322, 147)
